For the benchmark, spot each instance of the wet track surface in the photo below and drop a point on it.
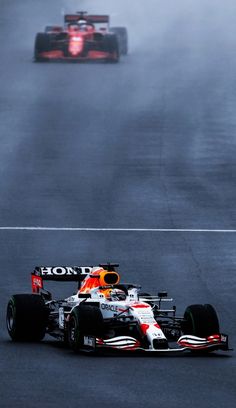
(147, 143)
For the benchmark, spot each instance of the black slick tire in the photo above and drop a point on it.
(84, 320)
(112, 47)
(26, 317)
(42, 44)
(201, 321)
(122, 35)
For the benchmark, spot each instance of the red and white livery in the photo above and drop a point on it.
(107, 315)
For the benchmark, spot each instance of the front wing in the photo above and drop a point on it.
(91, 55)
(184, 343)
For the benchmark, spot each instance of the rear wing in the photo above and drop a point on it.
(63, 274)
(58, 274)
(74, 18)
(98, 19)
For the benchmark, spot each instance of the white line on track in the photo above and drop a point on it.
(116, 229)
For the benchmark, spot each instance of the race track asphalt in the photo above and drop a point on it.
(146, 143)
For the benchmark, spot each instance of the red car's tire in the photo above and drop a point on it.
(42, 44)
(111, 45)
(122, 35)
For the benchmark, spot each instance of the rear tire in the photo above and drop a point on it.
(201, 321)
(84, 320)
(26, 317)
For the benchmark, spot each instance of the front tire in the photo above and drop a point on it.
(201, 321)
(26, 317)
(84, 320)
(42, 44)
(112, 47)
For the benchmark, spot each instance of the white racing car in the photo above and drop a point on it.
(105, 314)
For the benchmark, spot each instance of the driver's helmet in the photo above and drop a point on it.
(81, 22)
(117, 294)
(83, 25)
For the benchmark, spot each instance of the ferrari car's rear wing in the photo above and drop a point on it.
(73, 18)
(98, 19)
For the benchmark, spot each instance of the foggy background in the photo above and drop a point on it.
(146, 143)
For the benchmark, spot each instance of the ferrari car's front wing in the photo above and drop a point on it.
(91, 55)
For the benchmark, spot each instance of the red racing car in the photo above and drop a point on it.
(82, 38)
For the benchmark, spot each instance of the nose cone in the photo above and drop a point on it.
(76, 45)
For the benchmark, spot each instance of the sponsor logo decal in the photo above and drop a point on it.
(64, 271)
(111, 308)
(89, 341)
(37, 281)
